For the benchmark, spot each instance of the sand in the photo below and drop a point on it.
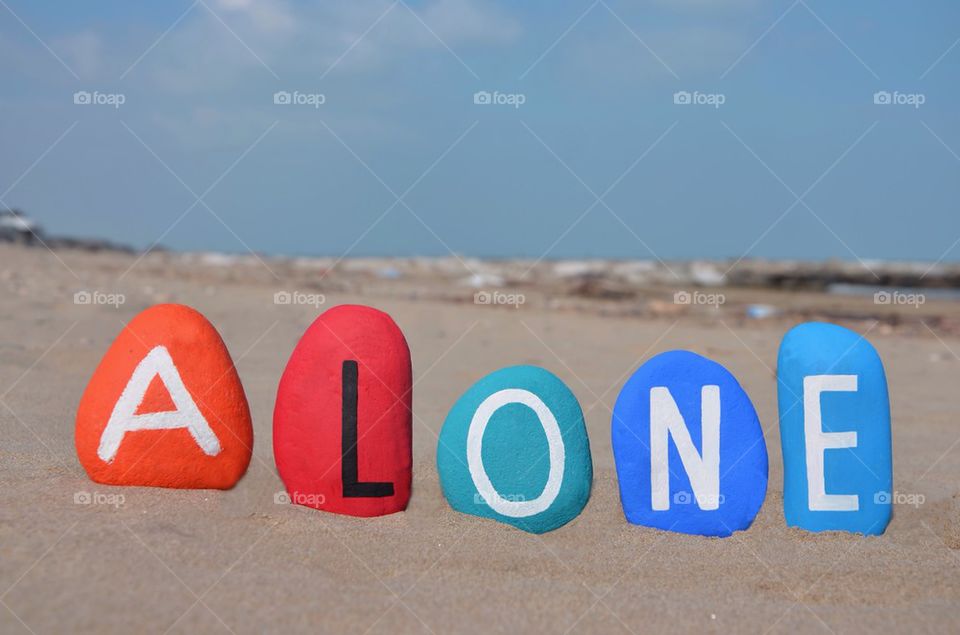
(153, 560)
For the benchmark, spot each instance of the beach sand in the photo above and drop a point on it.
(210, 561)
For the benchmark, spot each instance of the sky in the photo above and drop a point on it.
(670, 129)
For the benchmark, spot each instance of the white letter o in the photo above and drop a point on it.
(515, 509)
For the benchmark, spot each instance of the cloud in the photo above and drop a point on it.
(237, 39)
(208, 80)
(689, 51)
(700, 49)
(708, 5)
(469, 22)
(83, 52)
(270, 17)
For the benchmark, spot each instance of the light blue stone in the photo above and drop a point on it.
(530, 465)
(845, 383)
(733, 479)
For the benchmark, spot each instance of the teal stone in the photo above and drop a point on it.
(834, 431)
(514, 448)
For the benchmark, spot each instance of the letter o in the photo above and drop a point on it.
(478, 424)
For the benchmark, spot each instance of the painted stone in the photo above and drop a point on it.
(688, 447)
(342, 424)
(834, 431)
(514, 448)
(165, 407)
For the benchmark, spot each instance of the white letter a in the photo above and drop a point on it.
(124, 418)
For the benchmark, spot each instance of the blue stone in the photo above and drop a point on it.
(835, 431)
(514, 448)
(698, 465)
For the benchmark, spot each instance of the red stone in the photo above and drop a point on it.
(165, 407)
(313, 419)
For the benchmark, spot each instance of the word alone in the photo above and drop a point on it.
(166, 408)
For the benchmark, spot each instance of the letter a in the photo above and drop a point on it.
(124, 418)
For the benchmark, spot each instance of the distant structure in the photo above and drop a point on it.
(17, 227)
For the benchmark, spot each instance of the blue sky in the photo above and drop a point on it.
(798, 161)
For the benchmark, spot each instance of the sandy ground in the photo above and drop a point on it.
(190, 561)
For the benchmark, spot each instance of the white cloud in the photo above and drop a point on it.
(203, 54)
(269, 16)
(83, 52)
(700, 49)
(467, 21)
(708, 5)
(690, 51)
(206, 84)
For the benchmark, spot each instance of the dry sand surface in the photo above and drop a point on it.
(209, 561)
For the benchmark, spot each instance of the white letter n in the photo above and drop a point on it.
(703, 470)
(124, 418)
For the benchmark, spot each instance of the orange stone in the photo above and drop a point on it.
(165, 407)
